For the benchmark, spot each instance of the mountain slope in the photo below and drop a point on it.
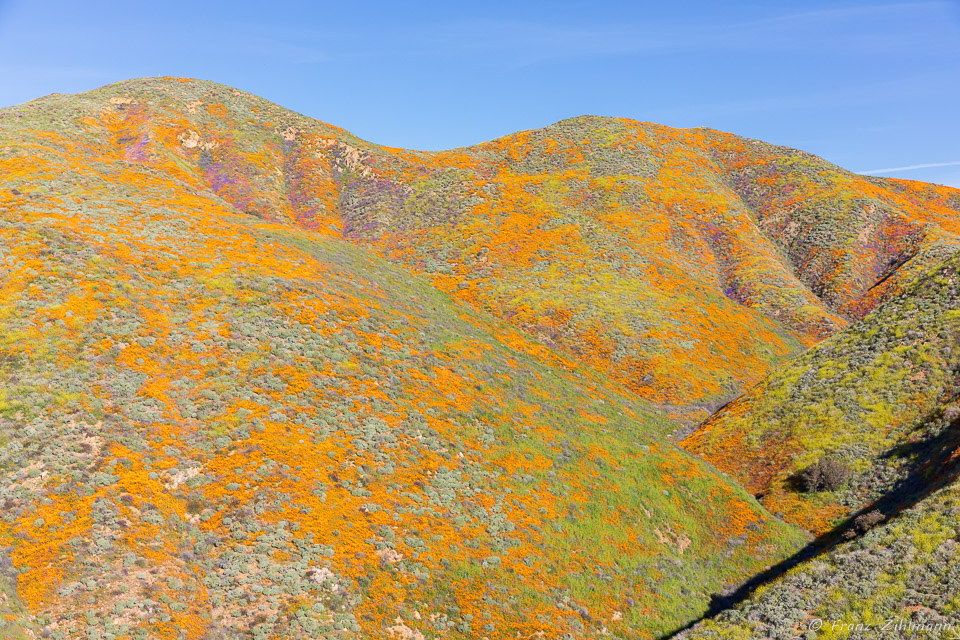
(213, 425)
(868, 397)
(263, 378)
(685, 263)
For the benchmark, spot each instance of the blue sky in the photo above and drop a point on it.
(867, 85)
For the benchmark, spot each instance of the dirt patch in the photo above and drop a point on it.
(401, 631)
(190, 139)
(289, 134)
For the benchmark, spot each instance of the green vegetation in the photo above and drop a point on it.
(899, 574)
(872, 398)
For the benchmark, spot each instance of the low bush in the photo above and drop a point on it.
(826, 474)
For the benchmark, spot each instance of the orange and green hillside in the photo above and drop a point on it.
(686, 264)
(868, 398)
(900, 579)
(890, 570)
(215, 425)
(262, 379)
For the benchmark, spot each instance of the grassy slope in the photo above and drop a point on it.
(684, 263)
(212, 425)
(866, 396)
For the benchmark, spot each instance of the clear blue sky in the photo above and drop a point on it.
(868, 85)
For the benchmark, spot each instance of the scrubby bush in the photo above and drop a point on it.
(865, 522)
(826, 474)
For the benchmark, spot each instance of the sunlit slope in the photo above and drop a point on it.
(214, 425)
(641, 249)
(853, 240)
(685, 263)
(868, 397)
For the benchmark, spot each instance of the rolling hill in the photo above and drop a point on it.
(262, 378)
(686, 264)
(215, 425)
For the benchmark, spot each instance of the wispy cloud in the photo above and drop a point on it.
(842, 30)
(929, 165)
(858, 12)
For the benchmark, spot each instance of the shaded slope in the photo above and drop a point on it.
(863, 397)
(685, 263)
(216, 426)
(899, 579)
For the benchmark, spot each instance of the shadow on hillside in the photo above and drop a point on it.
(937, 465)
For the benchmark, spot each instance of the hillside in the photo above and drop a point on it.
(889, 570)
(857, 439)
(900, 579)
(261, 378)
(878, 397)
(214, 425)
(687, 264)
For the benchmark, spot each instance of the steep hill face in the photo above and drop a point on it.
(687, 264)
(214, 425)
(880, 398)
